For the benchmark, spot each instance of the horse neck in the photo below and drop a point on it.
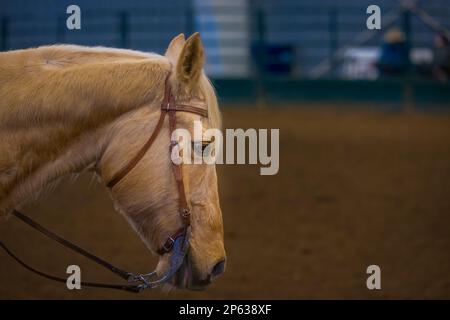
(53, 119)
(37, 158)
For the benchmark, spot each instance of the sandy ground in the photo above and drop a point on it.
(355, 188)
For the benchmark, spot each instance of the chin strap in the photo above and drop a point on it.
(179, 252)
(135, 282)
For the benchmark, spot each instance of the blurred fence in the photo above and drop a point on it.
(248, 40)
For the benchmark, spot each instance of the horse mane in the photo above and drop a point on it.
(31, 78)
(52, 82)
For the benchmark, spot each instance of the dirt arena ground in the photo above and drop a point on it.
(355, 188)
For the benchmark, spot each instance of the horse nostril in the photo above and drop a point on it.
(218, 269)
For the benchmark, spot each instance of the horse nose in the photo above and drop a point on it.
(218, 269)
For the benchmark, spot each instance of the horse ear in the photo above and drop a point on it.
(174, 49)
(190, 63)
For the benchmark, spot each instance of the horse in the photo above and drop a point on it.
(66, 109)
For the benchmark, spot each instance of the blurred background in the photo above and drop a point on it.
(364, 141)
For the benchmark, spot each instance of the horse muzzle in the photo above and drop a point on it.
(187, 278)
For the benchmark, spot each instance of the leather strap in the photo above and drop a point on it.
(187, 108)
(177, 169)
(121, 273)
(126, 287)
(138, 157)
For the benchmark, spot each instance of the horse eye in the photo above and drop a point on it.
(200, 146)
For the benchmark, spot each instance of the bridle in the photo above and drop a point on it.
(169, 107)
(177, 242)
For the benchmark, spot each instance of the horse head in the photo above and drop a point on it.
(148, 195)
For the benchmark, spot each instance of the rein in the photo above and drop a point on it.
(177, 242)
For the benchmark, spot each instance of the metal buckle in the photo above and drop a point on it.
(169, 247)
(144, 280)
(185, 212)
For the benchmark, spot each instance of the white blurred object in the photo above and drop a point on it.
(359, 63)
(421, 56)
